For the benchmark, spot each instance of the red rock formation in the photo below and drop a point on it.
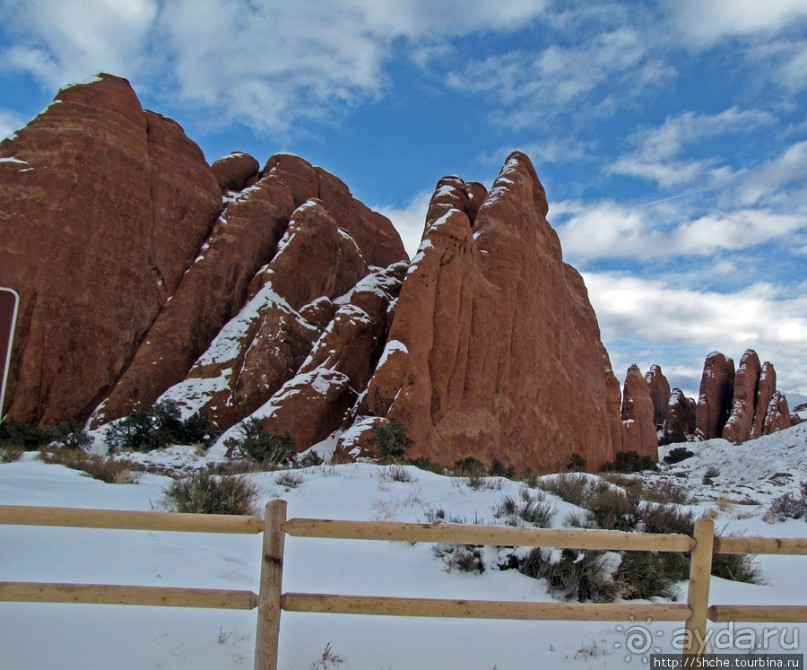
(105, 210)
(778, 415)
(234, 171)
(494, 349)
(765, 390)
(738, 426)
(679, 422)
(637, 416)
(714, 399)
(659, 389)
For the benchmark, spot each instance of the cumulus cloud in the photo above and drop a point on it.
(756, 205)
(770, 319)
(409, 219)
(704, 23)
(658, 153)
(609, 229)
(62, 42)
(264, 65)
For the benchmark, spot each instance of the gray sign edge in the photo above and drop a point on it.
(10, 346)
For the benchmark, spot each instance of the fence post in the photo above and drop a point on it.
(700, 572)
(267, 637)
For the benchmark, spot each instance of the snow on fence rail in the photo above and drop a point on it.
(270, 599)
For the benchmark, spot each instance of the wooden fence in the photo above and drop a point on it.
(271, 601)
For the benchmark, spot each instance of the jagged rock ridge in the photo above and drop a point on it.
(271, 292)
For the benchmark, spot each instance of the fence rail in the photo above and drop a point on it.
(271, 601)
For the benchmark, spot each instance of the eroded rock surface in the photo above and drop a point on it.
(494, 349)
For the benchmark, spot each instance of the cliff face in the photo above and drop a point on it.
(103, 206)
(494, 349)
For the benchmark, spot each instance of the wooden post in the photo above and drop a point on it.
(268, 632)
(700, 572)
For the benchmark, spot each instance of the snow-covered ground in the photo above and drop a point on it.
(41, 636)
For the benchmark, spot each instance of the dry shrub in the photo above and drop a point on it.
(109, 470)
(290, 480)
(203, 493)
(11, 453)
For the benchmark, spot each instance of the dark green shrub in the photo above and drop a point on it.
(309, 459)
(71, 435)
(678, 454)
(391, 440)
(204, 493)
(427, 464)
(271, 449)
(629, 461)
(469, 467)
(577, 463)
(26, 435)
(154, 427)
(198, 429)
(575, 576)
(498, 469)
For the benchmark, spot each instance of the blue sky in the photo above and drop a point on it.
(671, 136)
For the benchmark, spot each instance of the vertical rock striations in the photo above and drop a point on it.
(494, 349)
(659, 389)
(714, 398)
(103, 206)
(638, 415)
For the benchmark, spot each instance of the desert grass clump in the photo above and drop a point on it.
(789, 506)
(328, 660)
(460, 557)
(528, 508)
(571, 487)
(649, 574)
(11, 453)
(203, 493)
(289, 479)
(395, 473)
(109, 470)
(736, 567)
(664, 491)
(612, 509)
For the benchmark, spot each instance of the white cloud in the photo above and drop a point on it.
(704, 22)
(409, 219)
(657, 156)
(66, 41)
(531, 84)
(261, 64)
(608, 229)
(763, 317)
